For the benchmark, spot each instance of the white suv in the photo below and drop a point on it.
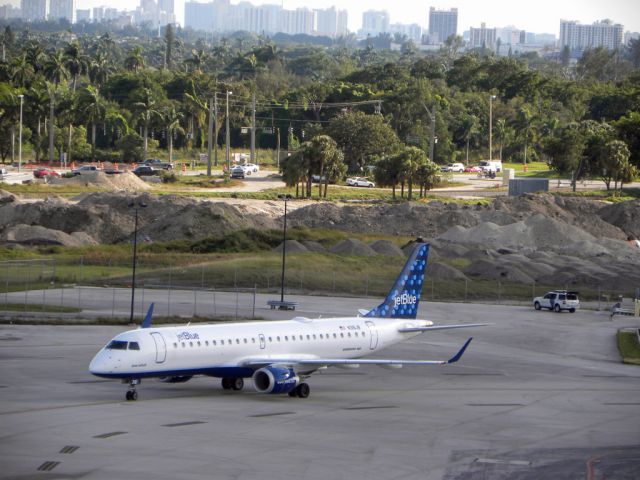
(454, 167)
(557, 301)
(360, 182)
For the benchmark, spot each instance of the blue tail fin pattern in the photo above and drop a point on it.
(404, 298)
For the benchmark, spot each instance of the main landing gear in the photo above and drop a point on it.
(132, 395)
(301, 391)
(236, 384)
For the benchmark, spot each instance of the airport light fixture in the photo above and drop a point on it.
(228, 136)
(491, 99)
(21, 96)
(286, 198)
(136, 205)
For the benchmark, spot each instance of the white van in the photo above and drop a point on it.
(491, 165)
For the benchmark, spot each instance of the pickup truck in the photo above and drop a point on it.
(158, 164)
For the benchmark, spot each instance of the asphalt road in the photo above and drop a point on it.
(537, 395)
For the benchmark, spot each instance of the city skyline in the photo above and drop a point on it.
(544, 18)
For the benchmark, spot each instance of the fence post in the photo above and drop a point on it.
(113, 302)
(214, 301)
(79, 281)
(333, 290)
(366, 286)
(466, 288)
(253, 311)
(169, 293)
(499, 292)
(26, 290)
(195, 301)
(6, 288)
(236, 303)
(599, 297)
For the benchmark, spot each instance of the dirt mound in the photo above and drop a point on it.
(442, 271)
(624, 215)
(36, 235)
(293, 246)
(315, 247)
(385, 247)
(120, 181)
(7, 197)
(353, 247)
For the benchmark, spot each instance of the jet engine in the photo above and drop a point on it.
(275, 379)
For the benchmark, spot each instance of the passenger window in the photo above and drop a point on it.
(237, 341)
(342, 335)
(349, 334)
(221, 342)
(335, 335)
(206, 342)
(214, 343)
(175, 345)
(230, 342)
(301, 337)
(271, 339)
(191, 344)
(321, 337)
(253, 340)
(314, 336)
(199, 343)
(286, 338)
(134, 346)
(293, 338)
(278, 338)
(308, 337)
(245, 340)
(183, 345)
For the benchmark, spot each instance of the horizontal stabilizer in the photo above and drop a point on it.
(440, 327)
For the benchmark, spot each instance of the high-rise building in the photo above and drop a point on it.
(482, 37)
(34, 10)
(199, 16)
(167, 6)
(83, 15)
(62, 9)
(331, 22)
(375, 22)
(582, 37)
(442, 24)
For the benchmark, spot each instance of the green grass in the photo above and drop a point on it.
(32, 307)
(628, 347)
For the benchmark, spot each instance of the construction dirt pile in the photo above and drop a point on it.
(120, 181)
(532, 238)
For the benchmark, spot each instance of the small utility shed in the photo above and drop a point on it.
(518, 186)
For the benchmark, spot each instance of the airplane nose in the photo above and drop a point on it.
(99, 364)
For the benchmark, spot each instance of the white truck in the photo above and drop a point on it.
(494, 166)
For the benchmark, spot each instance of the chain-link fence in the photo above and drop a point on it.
(71, 282)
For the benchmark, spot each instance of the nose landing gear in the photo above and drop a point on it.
(132, 395)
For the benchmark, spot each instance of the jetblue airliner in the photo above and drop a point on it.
(278, 356)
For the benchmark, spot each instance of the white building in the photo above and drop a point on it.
(83, 15)
(374, 22)
(582, 37)
(442, 24)
(331, 22)
(199, 16)
(34, 10)
(62, 9)
(482, 37)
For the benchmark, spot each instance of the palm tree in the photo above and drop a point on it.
(94, 109)
(501, 133)
(100, 69)
(55, 68)
(524, 123)
(198, 59)
(172, 118)
(75, 62)
(134, 61)
(21, 71)
(145, 112)
(37, 102)
(470, 130)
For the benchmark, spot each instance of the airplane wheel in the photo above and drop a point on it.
(226, 383)
(303, 390)
(293, 393)
(237, 384)
(134, 395)
(128, 395)
(131, 396)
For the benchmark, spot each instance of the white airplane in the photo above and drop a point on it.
(279, 355)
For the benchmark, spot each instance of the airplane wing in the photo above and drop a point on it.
(301, 361)
(440, 327)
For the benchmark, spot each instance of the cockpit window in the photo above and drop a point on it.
(117, 345)
(134, 346)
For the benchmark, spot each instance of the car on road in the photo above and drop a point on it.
(145, 171)
(45, 172)
(250, 167)
(557, 300)
(158, 164)
(360, 182)
(238, 172)
(454, 167)
(84, 169)
(472, 169)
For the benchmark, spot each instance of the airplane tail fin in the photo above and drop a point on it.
(146, 323)
(404, 298)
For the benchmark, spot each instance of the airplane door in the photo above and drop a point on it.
(373, 333)
(263, 342)
(161, 347)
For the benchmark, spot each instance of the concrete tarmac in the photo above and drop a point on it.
(536, 395)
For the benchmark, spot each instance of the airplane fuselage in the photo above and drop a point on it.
(219, 350)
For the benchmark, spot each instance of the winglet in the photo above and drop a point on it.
(146, 323)
(458, 355)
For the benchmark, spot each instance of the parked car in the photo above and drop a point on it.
(250, 167)
(44, 172)
(472, 169)
(454, 167)
(238, 172)
(145, 171)
(84, 169)
(158, 164)
(360, 182)
(491, 165)
(557, 301)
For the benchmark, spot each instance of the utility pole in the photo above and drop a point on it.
(228, 138)
(20, 133)
(278, 147)
(432, 116)
(253, 129)
(210, 142)
(51, 132)
(216, 128)
(491, 99)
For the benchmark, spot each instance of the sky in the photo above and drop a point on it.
(538, 16)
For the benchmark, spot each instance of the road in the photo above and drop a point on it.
(537, 395)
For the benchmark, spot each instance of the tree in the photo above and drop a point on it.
(134, 61)
(614, 163)
(524, 128)
(565, 152)
(171, 118)
(363, 138)
(75, 62)
(94, 110)
(388, 172)
(469, 132)
(628, 130)
(170, 41)
(146, 111)
(100, 68)
(324, 158)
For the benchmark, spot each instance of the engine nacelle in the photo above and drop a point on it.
(275, 380)
(176, 379)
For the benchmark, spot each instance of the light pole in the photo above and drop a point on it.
(135, 205)
(228, 137)
(286, 198)
(20, 134)
(491, 99)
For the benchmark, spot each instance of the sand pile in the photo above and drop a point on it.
(352, 246)
(120, 181)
